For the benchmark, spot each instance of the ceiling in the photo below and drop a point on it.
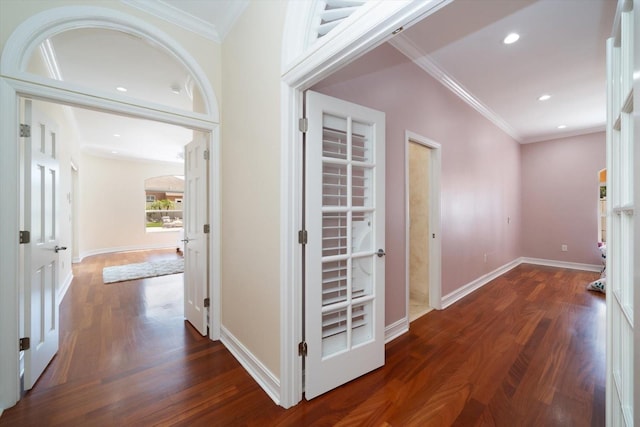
(561, 52)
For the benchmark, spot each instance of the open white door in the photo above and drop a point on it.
(344, 213)
(196, 271)
(41, 254)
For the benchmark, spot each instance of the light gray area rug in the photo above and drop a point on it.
(121, 273)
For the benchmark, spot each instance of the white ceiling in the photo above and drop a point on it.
(561, 52)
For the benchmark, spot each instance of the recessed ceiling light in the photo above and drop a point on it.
(511, 38)
(117, 135)
(544, 97)
(114, 152)
(121, 89)
(175, 89)
(562, 126)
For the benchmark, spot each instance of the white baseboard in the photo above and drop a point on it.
(260, 373)
(562, 264)
(394, 330)
(465, 290)
(65, 287)
(122, 249)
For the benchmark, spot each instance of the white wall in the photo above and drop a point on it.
(251, 181)
(112, 202)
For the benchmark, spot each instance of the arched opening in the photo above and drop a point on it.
(198, 113)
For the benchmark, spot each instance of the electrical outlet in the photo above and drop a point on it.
(564, 248)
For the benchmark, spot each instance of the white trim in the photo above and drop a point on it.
(15, 81)
(65, 287)
(260, 373)
(397, 328)
(476, 284)
(413, 52)
(290, 250)
(9, 261)
(562, 264)
(215, 219)
(567, 134)
(371, 25)
(435, 202)
(176, 16)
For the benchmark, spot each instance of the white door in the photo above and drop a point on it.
(41, 254)
(344, 215)
(196, 271)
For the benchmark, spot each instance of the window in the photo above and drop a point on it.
(163, 203)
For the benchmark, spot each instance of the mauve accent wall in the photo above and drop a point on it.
(480, 182)
(560, 198)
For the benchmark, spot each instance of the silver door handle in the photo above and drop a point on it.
(59, 248)
(381, 253)
(185, 240)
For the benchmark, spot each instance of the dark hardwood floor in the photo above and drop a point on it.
(527, 349)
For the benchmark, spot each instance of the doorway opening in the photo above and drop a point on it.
(422, 195)
(102, 197)
(419, 232)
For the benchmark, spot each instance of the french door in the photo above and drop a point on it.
(344, 256)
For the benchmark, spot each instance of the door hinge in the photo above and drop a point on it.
(302, 349)
(303, 124)
(25, 237)
(207, 302)
(24, 343)
(205, 154)
(206, 229)
(25, 131)
(302, 237)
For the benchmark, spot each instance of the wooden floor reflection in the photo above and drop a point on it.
(526, 349)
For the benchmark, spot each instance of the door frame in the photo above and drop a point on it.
(302, 67)
(15, 82)
(435, 244)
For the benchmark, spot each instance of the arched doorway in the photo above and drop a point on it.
(17, 81)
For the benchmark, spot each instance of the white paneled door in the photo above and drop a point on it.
(344, 256)
(42, 170)
(196, 271)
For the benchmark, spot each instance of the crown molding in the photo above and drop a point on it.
(176, 16)
(234, 11)
(566, 134)
(411, 51)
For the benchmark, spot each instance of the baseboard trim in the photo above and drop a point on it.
(65, 287)
(260, 373)
(100, 251)
(476, 284)
(562, 264)
(397, 328)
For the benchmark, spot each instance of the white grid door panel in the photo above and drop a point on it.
(344, 283)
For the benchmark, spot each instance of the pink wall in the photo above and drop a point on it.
(559, 198)
(480, 184)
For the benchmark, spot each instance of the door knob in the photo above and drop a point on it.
(59, 248)
(381, 253)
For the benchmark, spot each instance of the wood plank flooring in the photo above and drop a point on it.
(527, 349)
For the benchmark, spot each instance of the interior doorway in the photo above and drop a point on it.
(423, 252)
(419, 200)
